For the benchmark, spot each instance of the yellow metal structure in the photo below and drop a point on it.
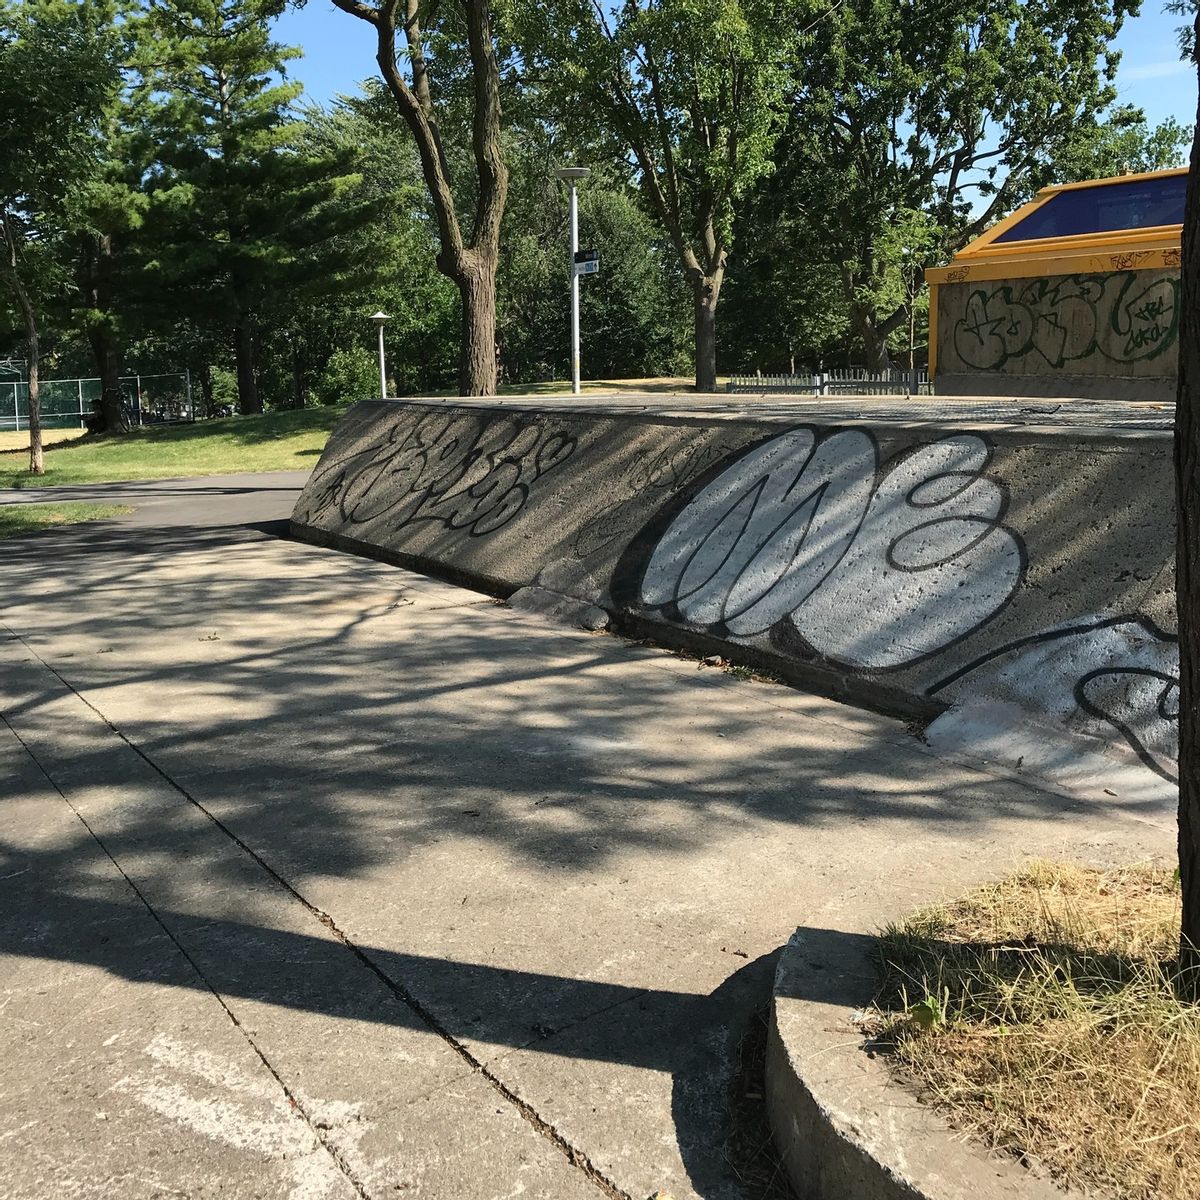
(1140, 249)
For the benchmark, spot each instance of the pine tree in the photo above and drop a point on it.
(238, 218)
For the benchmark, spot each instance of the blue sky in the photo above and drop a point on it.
(339, 50)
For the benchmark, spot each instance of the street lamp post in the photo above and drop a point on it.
(571, 174)
(381, 319)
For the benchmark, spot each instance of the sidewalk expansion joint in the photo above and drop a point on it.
(575, 1156)
(293, 1100)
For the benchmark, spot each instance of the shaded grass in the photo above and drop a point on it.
(1041, 1014)
(17, 519)
(283, 441)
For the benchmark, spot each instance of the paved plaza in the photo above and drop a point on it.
(320, 878)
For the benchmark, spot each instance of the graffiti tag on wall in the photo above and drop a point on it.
(461, 472)
(1122, 317)
(1098, 676)
(872, 566)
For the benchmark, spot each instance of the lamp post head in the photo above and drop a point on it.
(380, 318)
(571, 173)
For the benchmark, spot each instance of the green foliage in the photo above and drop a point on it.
(224, 390)
(351, 373)
(692, 92)
(58, 71)
(399, 244)
(239, 217)
(1122, 142)
(186, 210)
(633, 314)
(954, 109)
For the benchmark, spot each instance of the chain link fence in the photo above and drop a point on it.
(70, 403)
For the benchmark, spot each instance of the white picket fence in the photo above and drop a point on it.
(844, 381)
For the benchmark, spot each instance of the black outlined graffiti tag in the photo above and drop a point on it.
(458, 471)
(1117, 316)
(872, 567)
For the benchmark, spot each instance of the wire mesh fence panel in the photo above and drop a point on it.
(72, 403)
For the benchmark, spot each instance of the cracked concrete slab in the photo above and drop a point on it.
(494, 900)
(121, 1077)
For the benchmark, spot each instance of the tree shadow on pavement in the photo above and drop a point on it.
(466, 792)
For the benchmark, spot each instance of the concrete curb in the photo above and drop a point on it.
(845, 1129)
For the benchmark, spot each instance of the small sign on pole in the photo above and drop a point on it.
(587, 262)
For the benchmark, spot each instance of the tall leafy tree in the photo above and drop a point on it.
(58, 71)
(444, 77)
(632, 312)
(401, 240)
(1123, 141)
(237, 216)
(692, 92)
(954, 108)
(110, 210)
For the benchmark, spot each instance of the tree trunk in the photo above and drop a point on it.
(206, 389)
(471, 265)
(113, 409)
(874, 340)
(247, 385)
(298, 396)
(95, 282)
(37, 465)
(1187, 581)
(476, 280)
(707, 290)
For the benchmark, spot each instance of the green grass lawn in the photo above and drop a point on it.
(16, 519)
(283, 441)
(278, 441)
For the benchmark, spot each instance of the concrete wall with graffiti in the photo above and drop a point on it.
(1018, 592)
(1061, 334)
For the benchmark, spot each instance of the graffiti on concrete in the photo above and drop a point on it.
(1121, 316)
(870, 566)
(1093, 677)
(459, 471)
(664, 472)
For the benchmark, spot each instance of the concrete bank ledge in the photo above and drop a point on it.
(845, 1129)
(1011, 588)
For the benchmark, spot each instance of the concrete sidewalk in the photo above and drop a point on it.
(324, 879)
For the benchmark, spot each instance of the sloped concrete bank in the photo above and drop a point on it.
(1015, 588)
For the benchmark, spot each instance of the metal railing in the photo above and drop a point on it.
(69, 403)
(843, 381)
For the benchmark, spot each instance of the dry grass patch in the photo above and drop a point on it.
(1040, 1014)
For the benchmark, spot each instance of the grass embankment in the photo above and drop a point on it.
(1040, 1013)
(283, 441)
(16, 519)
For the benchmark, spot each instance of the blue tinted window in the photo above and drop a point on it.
(1134, 205)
